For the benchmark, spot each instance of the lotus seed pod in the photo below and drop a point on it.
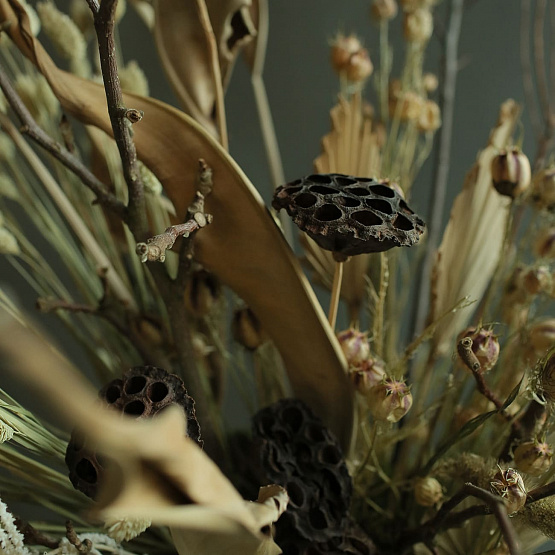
(543, 189)
(430, 117)
(544, 246)
(418, 25)
(390, 400)
(354, 344)
(247, 329)
(367, 374)
(383, 10)
(511, 173)
(537, 280)
(533, 457)
(201, 293)
(430, 82)
(485, 346)
(427, 491)
(508, 484)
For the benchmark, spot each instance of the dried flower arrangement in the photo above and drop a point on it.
(372, 440)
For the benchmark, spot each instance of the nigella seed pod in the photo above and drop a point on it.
(430, 117)
(354, 344)
(418, 25)
(533, 457)
(427, 491)
(484, 348)
(247, 329)
(544, 246)
(367, 374)
(383, 10)
(390, 400)
(201, 293)
(349, 59)
(543, 189)
(509, 485)
(511, 173)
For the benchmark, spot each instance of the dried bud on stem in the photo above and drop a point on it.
(478, 349)
(354, 344)
(367, 374)
(509, 485)
(418, 25)
(511, 173)
(350, 60)
(383, 10)
(390, 400)
(428, 491)
(533, 457)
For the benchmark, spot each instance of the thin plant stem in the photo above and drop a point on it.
(385, 67)
(378, 327)
(335, 294)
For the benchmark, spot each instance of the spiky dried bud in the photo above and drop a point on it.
(537, 280)
(543, 189)
(383, 10)
(354, 344)
(485, 347)
(349, 59)
(544, 245)
(247, 329)
(533, 457)
(430, 117)
(367, 374)
(201, 293)
(427, 491)
(430, 82)
(509, 485)
(418, 25)
(510, 172)
(390, 400)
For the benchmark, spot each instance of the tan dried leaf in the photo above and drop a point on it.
(472, 241)
(242, 246)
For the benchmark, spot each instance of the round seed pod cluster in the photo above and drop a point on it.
(349, 215)
(299, 453)
(141, 392)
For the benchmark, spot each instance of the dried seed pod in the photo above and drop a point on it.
(430, 117)
(544, 246)
(411, 5)
(418, 25)
(533, 457)
(383, 10)
(298, 452)
(354, 344)
(349, 59)
(390, 400)
(430, 82)
(247, 329)
(546, 376)
(509, 485)
(201, 293)
(349, 215)
(427, 491)
(511, 173)
(543, 189)
(484, 348)
(142, 392)
(405, 105)
(537, 280)
(367, 374)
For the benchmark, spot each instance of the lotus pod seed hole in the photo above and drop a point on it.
(293, 190)
(318, 519)
(113, 393)
(358, 191)
(134, 408)
(349, 202)
(157, 392)
(305, 200)
(330, 455)
(293, 419)
(316, 433)
(332, 484)
(383, 191)
(328, 213)
(321, 190)
(367, 218)
(401, 222)
(379, 205)
(86, 471)
(344, 181)
(296, 495)
(319, 178)
(135, 385)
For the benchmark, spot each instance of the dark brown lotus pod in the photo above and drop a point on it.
(349, 215)
(142, 392)
(298, 452)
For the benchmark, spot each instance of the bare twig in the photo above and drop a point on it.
(32, 130)
(81, 546)
(32, 536)
(540, 493)
(447, 103)
(104, 24)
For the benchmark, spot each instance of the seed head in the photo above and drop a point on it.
(390, 400)
(430, 117)
(533, 457)
(511, 173)
(383, 10)
(354, 344)
(427, 491)
(367, 374)
(125, 529)
(430, 82)
(509, 485)
(349, 59)
(485, 348)
(418, 25)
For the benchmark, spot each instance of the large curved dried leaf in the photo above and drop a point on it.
(472, 241)
(243, 246)
(183, 47)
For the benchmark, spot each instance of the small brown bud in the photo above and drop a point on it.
(430, 82)
(509, 485)
(533, 457)
(427, 491)
(354, 344)
(543, 189)
(418, 25)
(390, 400)
(350, 59)
(367, 374)
(485, 348)
(511, 173)
(430, 117)
(537, 280)
(247, 329)
(383, 10)
(201, 293)
(544, 246)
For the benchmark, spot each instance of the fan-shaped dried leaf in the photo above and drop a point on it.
(183, 47)
(472, 241)
(351, 147)
(242, 246)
